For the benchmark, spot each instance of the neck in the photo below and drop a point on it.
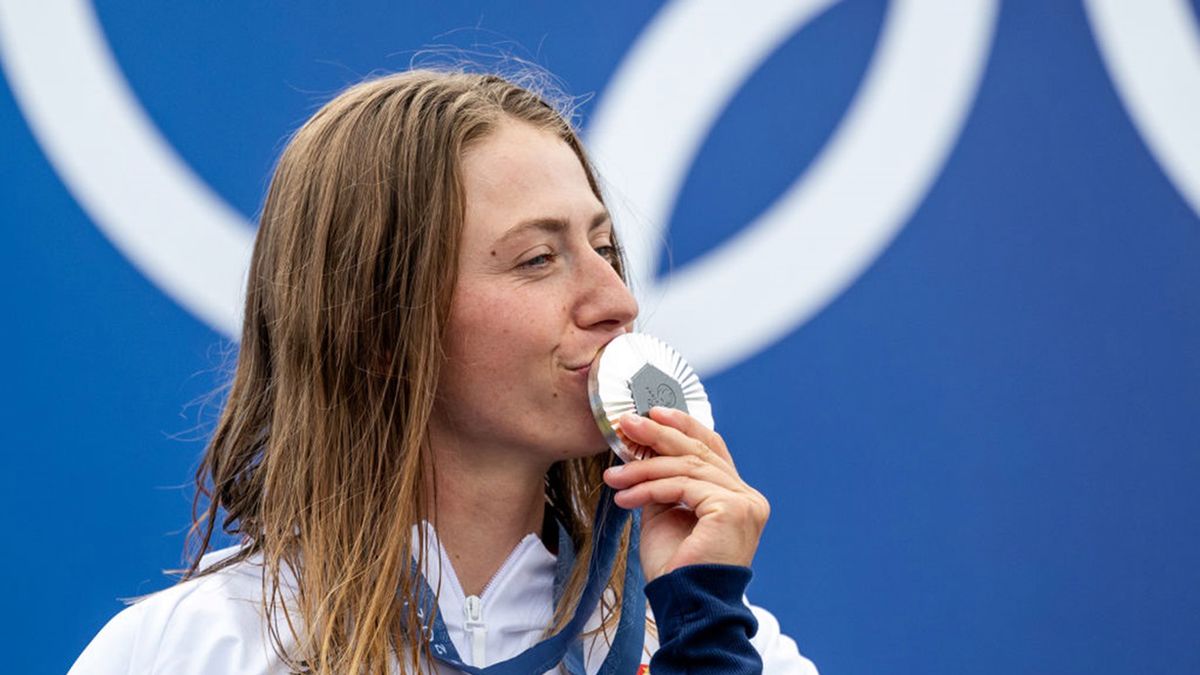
(484, 508)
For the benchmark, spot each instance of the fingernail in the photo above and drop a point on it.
(632, 419)
(614, 470)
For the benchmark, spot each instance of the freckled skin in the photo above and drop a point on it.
(511, 400)
(515, 329)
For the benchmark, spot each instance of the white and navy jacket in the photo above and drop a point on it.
(216, 623)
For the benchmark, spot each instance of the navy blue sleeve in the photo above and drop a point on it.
(703, 625)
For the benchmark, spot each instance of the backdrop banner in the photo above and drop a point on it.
(936, 261)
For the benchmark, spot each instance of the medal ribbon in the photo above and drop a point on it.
(565, 646)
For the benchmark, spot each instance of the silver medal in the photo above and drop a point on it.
(634, 373)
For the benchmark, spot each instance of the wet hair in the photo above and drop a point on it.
(320, 462)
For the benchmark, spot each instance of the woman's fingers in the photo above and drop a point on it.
(690, 426)
(674, 490)
(623, 476)
(706, 499)
(675, 433)
(692, 467)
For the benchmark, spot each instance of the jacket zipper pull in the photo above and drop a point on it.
(476, 629)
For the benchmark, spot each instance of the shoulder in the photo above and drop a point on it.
(214, 623)
(779, 652)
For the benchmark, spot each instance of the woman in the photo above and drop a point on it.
(433, 274)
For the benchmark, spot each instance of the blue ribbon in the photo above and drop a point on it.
(565, 646)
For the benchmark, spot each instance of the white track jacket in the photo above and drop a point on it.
(216, 623)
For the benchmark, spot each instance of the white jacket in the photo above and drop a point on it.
(216, 623)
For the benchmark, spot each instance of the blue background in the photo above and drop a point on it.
(984, 458)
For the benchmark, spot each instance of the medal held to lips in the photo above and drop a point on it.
(634, 373)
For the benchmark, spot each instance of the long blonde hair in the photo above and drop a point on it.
(319, 462)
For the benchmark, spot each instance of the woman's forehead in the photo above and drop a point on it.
(521, 174)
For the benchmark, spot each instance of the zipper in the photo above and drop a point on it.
(473, 609)
(504, 566)
(476, 629)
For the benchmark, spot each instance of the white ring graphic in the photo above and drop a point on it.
(836, 218)
(1152, 54)
(823, 232)
(128, 178)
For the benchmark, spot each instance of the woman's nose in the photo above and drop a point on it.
(605, 300)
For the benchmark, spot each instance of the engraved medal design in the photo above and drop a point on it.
(634, 373)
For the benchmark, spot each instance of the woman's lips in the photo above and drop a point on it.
(586, 367)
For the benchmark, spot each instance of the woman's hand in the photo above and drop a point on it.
(695, 507)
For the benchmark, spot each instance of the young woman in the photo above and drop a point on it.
(407, 453)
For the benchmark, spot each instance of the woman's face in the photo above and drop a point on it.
(536, 297)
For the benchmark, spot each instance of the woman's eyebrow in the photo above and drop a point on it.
(550, 225)
(600, 219)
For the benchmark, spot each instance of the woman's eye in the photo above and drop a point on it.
(538, 261)
(609, 253)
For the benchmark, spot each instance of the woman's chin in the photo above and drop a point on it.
(587, 441)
